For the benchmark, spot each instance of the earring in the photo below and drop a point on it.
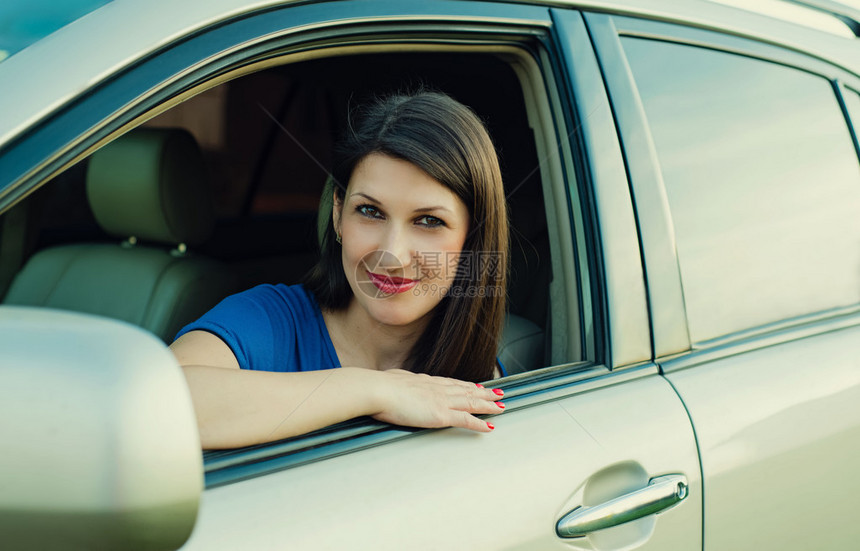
(338, 239)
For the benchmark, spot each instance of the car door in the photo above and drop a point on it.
(598, 430)
(744, 156)
(573, 435)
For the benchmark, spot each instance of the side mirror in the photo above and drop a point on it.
(99, 440)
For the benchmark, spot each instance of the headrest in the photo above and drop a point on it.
(151, 184)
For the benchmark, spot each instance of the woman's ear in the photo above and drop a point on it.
(336, 209)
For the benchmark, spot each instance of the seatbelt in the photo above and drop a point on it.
(13, 235)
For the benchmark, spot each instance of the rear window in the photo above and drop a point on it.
(763, 184)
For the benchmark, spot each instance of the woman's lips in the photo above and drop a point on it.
(392, 285)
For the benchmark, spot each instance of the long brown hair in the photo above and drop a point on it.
(449, 142)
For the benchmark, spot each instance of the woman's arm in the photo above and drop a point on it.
(236, 407)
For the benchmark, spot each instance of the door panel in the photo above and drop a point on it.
(776, 413)
(779, 432)
(451, 489)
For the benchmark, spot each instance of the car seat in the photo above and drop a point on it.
(149, 189)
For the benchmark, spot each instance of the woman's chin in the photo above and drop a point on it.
(394, 316)
(398, 309)
(389, 311)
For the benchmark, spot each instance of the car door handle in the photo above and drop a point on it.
(660, 494)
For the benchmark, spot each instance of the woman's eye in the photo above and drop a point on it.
(368, 210)
(430, 221)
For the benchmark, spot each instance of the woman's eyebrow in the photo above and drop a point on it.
(366, 196)
(428, 209)
(378, 202)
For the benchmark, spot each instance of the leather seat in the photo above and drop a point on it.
(148, 188)
(521, 347)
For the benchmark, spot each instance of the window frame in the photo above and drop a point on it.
(623, 329)
(224, 467)
(672, 344)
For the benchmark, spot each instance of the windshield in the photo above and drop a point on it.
(23, 22)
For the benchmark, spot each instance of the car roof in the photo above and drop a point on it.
(51, 72)
(66, 63)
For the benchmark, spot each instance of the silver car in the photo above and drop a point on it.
(683, 342)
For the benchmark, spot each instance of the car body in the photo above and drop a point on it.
(684, 187)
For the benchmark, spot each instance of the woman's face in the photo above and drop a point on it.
(402, 234)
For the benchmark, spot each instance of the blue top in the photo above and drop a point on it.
(273, 328)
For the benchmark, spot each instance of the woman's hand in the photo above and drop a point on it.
(420, 400)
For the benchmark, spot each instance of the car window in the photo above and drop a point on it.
(267, 139)
(269, 136)
(762, 181)
(266, 131)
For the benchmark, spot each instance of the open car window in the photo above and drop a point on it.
(265, 130)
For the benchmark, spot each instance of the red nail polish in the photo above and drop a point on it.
(499, 391)
(501, 405)
(479, 385)
(490, 425)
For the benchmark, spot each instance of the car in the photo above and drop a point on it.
(683, 341)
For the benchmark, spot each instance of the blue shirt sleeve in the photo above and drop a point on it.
(271, 328)
(244, 322)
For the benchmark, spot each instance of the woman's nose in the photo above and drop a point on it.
(397, 243)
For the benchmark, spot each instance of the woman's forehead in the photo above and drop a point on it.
(387, 179)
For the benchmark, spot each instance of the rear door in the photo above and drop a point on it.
(744, 159)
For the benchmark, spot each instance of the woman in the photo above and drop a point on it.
(401, 317)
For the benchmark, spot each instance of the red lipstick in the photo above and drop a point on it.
(392, 285)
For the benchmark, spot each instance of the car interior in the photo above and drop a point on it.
(222, 192)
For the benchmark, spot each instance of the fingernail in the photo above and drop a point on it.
(479, 385)
(501, 405)
(490, 426)
(499, 391)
